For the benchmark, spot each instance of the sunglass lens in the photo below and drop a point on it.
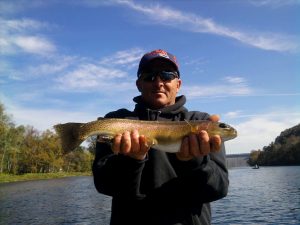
(167, 76)
(164, 75)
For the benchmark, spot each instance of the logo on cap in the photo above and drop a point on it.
(164, 54)
(157, 54)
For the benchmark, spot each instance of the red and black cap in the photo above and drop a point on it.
(159, 53)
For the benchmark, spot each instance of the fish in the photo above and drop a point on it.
(161, 135)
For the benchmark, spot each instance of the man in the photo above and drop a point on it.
(150, 186)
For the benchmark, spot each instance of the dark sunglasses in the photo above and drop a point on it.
(164, 75)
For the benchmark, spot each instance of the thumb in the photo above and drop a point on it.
(214, 118)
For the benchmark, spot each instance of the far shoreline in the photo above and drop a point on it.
(10, 178)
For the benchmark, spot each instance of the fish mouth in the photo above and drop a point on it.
(234, 134)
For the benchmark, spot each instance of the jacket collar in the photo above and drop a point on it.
(146, 112)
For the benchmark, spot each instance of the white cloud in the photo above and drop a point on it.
(20, 36)
(43, 119)
(15, 6)
(235, 80)
(258, 130)
(94, 77)
(81, 74)
(110, 73)
(197, 24)
(21, 25)
(34, 44)
(127, 58)
(55, 65)
(230, 86)
(274, 3)
(46, 118)
(233, 114)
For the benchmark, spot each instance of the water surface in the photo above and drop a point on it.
(269, 195)
(72, 200)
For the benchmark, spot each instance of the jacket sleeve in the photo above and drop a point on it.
(116, 175)
(200, 180)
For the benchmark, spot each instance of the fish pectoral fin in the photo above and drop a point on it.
(105, 138)
(151, 141)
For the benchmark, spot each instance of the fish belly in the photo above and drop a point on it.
(172, 147)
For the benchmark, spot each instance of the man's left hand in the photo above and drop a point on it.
(196, 145)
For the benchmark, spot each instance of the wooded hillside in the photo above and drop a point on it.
(285, 150)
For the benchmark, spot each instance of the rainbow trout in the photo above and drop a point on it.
(161, 135)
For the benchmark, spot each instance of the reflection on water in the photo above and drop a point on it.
(269, 195)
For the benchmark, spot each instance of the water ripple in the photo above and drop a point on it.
(270, 195)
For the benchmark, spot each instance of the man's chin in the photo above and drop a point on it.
(159, 103)
(157, 100)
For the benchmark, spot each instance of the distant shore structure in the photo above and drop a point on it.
(237, 160)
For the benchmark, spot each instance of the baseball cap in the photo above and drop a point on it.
(159, 53)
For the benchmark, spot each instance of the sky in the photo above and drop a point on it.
(73, 61)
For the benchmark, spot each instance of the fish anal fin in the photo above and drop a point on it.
(105, 138)
(151, 141)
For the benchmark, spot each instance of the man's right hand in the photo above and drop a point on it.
(131, 144)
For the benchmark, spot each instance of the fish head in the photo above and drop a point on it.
(225, 131)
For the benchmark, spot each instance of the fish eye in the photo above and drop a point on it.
(223, 125)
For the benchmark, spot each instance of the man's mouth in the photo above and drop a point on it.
(158, 92)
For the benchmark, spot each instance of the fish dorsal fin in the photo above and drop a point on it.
(194, 128)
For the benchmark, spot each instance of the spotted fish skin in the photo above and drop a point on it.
(161, 135)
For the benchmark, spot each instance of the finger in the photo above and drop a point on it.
(215, 143)
(125, 143)
(194, 145)
(135, 146)
(204, 142)
(116, 144)
(184, 153)
(214, 118)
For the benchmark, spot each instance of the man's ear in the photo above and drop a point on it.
(179, 85)
(138, 85)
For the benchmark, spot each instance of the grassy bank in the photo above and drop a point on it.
(5, 178)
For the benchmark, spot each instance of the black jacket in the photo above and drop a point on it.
(160, 190)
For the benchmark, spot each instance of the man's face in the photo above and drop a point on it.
(158, 93)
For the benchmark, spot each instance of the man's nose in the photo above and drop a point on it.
(157, 81)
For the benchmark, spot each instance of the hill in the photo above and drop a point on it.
(285, 150)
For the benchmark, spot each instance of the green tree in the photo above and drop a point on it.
(254, 157)
(7, 143)
(26, 150)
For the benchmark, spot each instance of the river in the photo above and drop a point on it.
(269, 195)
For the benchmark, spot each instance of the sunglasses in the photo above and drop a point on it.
(164, 75)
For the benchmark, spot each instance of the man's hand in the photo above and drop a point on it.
(201, 144)
(131, 144)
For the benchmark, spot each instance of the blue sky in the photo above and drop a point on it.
(76, 61)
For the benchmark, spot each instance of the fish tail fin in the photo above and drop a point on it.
(69, 135)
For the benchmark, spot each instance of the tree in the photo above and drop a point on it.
(285, 150)
(6, 125)
(254, 157)
(26, 150)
